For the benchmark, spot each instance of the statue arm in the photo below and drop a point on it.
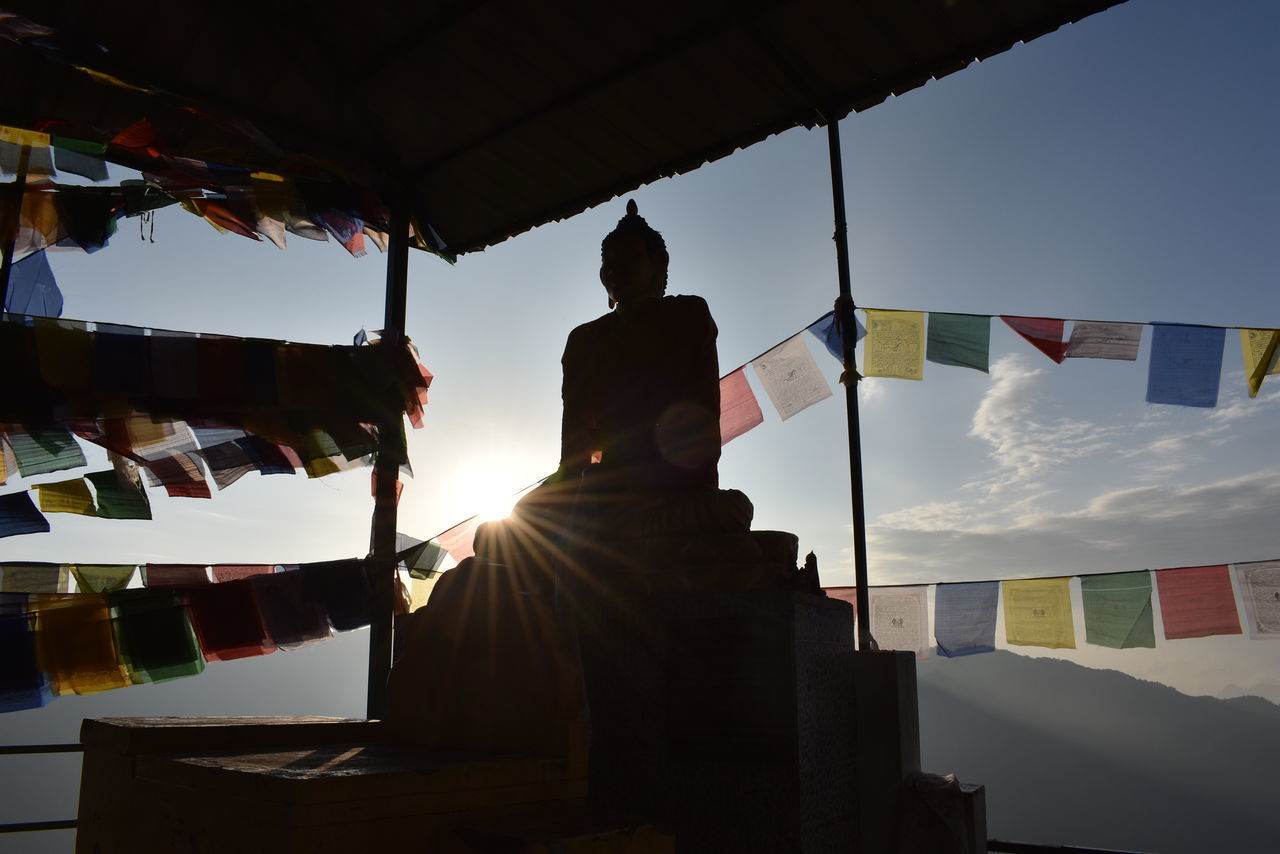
(577, 424)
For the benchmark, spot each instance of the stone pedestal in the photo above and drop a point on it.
(727, 718)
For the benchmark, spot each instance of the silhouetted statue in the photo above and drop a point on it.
(589, 563)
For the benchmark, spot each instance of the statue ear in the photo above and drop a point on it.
(612, 303)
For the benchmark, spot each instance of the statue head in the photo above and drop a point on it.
(633, 260)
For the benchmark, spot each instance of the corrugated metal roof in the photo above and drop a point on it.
(495, 117)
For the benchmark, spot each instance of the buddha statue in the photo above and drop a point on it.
(586, 565)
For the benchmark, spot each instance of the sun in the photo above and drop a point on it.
(490, 488)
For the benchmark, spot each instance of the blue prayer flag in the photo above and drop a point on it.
(18, 515)
(32, 287)
(826, 330)
(1186, 364)
(22, 684)
(964, 618)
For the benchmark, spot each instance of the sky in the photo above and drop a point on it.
(1122, 169)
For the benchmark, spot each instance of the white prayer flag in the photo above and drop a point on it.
(1259, 585)
(900, 618)
(1093, 339)
(791, 377)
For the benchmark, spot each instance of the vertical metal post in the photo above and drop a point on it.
(845, 318)
(17, 190)
(391, 451)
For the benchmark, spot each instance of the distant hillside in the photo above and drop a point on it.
(1269, 691)
(1071, 755)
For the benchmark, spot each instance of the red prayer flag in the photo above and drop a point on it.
(174, 575)
(459, 541)
(180, 476)
(140, 138)
(844, 594)
(739, 410)
(1197, 601)
(227, 621)
(235, 572)
(1044, 333)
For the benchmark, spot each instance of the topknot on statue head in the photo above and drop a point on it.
(633, 260)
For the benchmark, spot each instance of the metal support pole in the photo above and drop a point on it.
(17, 190)
(391, 452)
(848, 324)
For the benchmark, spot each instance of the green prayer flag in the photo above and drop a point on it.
(963, 340)
(154, 635)
(80, 146)
(40, 451)
(117, 501)
(1117, 610)
(102, 578)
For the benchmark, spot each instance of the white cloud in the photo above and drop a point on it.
(1140, 527)
(1025, 442)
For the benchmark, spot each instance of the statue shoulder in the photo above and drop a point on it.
(691, 312)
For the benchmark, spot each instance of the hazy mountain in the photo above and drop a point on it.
(1269, 691)
(1072, 755)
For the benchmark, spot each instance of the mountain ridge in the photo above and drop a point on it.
(1074, 755)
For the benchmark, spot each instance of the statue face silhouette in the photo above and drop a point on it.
(628, 271)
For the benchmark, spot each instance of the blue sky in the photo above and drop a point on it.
(1121, 169)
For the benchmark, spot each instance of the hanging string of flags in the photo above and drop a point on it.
(1118, 609)
(111, 635)
(257, 204)
(175, 409)
(1186, 364)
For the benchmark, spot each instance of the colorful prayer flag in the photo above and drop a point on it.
(117, 500)
(963, 340)
(459, 541)
(1043, 333)
(102, 578)
(18, 515)
(227, 463)
(791, 377)
(17, 577)
(827, 330)
(844, 594)
(1260, 589)
(1186, 364)
(227, 622)
(1117, 610)
(1093, 339)
(33, 288)
(180, 475)
(895, 344)
(154, 635)
(223, 572)
(964, 617)
(174, 575)
(1261, 355)
(75, 644)
(1037, 612)
(900, 618)
(739, 410)
(1196, 602)
(342, 589)
(41, 450)
(22, 683)
(66, 496)
(291, 618)
(64, 348)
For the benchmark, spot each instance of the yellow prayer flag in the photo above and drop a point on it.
(75, 644)
(18, 136)
(894, 344)
(1261, 355)
(66, 496)
(1037, 612)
